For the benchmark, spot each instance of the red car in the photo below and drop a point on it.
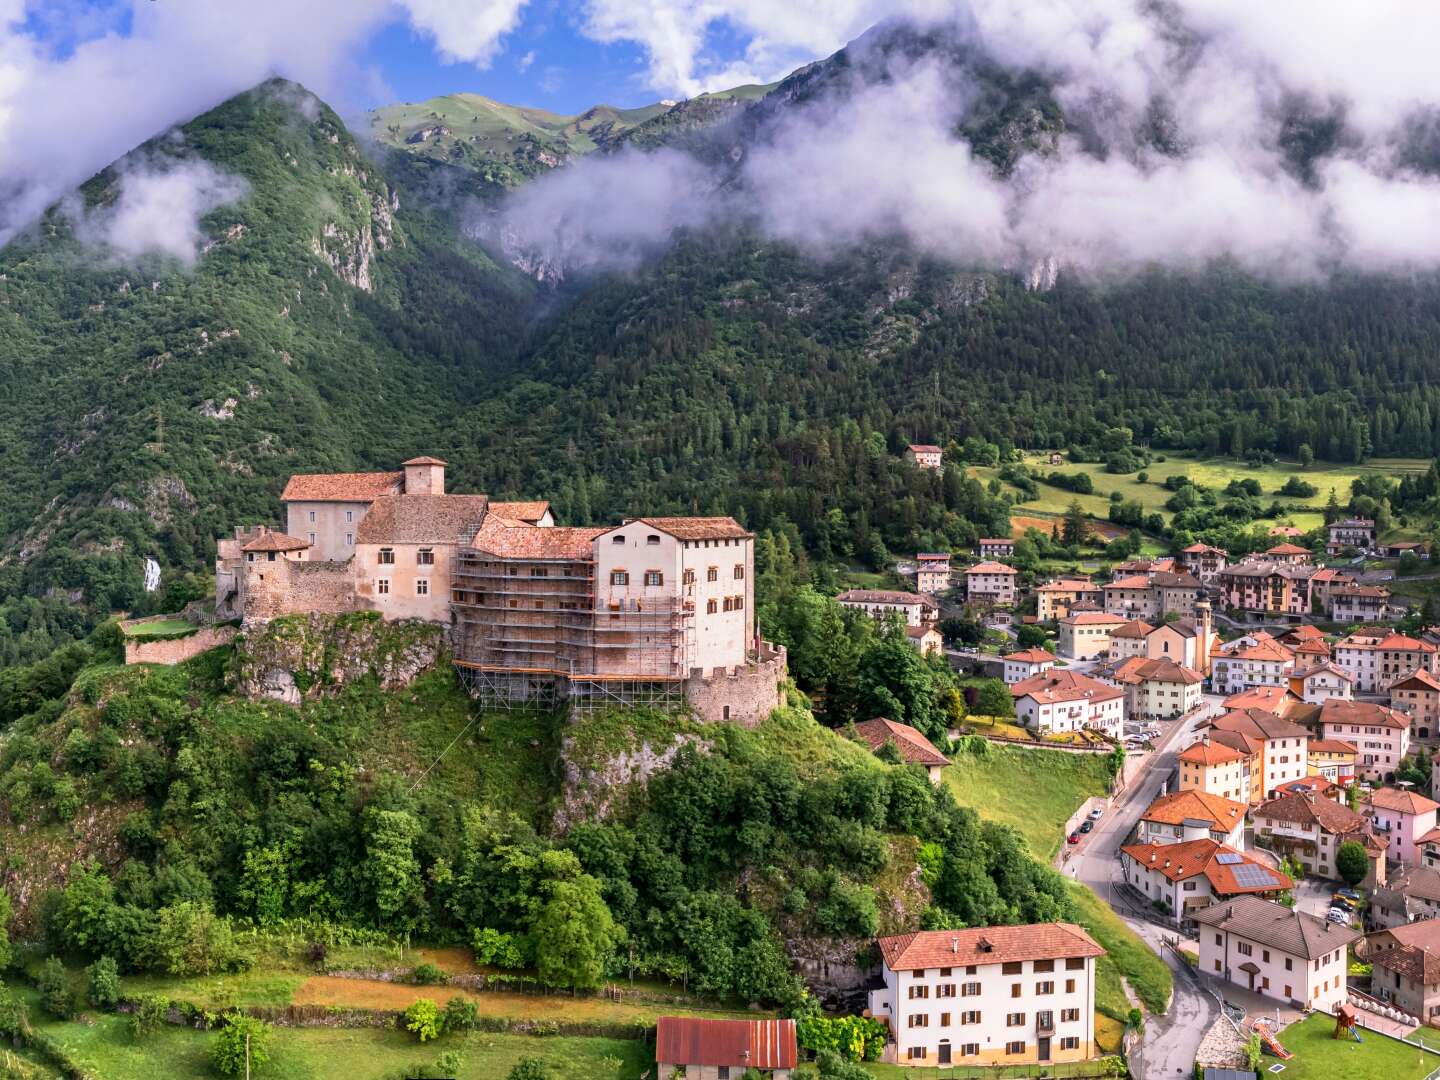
(1074, 838)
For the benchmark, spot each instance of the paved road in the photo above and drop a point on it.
(1170, 1042)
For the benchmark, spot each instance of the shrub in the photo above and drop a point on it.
(428, 974)
(461, 1014)
(530, 1069)
(149, 1014)
(230, 1052)
(103, 983)
(422, 1018)
(54, 987)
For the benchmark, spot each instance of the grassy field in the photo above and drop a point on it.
(1036, 791)
(1211, 472)
(1318, 1056)
(1148, 974)
(160, 628)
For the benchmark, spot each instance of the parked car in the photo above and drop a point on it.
(1345, 902)
(1096, 815)
(1351, 896)
(1073, 838)
(1338, 915)
(1086, 826)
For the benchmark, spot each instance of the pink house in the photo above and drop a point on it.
(1405, 817)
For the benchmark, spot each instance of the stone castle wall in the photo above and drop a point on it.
(178, 650)
(744, 694)
(299, 587)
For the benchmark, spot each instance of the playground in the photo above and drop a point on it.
(1317, 1054)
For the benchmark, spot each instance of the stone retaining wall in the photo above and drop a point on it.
(177, 650)
(742, 695)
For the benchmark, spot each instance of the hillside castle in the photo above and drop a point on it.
(653, 611)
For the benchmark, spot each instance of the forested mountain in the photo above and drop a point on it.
(334, 309)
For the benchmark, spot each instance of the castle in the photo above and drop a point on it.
(654, 611)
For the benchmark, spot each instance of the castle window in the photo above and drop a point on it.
(386, 556)
(710, 607)
(619, 577)
(350, 539)
(617, 540)
(425, 557)
(725, 712)
(652, 539)
(728, 603)
(250, 557)
(739, 603)
(422, 586)
(312, 539)
(312, 515)
(382, 586)
(654, 577)
(539, 571)
(712, 574)
(349, 516)
(270, 556)
(739, 571)
(689, 577)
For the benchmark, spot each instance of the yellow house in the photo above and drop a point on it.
(1086, 634)
(1215, 769)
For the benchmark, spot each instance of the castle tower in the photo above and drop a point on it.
(1203, 631)
(424, 476)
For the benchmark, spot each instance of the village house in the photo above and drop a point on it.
(1276, 699)
(1145, 567)
(1266, 588)
(1128, 639)
(1325, 581)
(1357, 534)
(995, 547)
(724, 1049)
(1019, 666)
(928, 640)
(1396, 549)
(1204, 561)
(1313, 785)
(1213, 768)
(913, 747)
(1191, 814)
(932, 573)
(1430, 849)
(1054, 599)
(1282, 745)
(1185, 877)
(915, 609)
(1286, 554)
(1404, 818)
(1253, 660)
(1318, 683)
(925, 456)
(997, 995)
(1406, 968)
(1409, 895)
(1333, 759)
(1286, 532)
(1310, 829)
(1377, 656)
(1417, 695)
(1380, 735)
(991, 584)
(1274, 951)
(1085, 635)
(1153, 596)
(1059, 701)
(1158, 689)
(1358, 603)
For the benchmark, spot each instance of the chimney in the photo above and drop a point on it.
(424, 476)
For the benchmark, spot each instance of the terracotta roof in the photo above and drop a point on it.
(997, 540)
(737, 1044)
(1139, 669)
(1324, 666)
(1260, 724)
(1417, 680)
(1305, 632)
(1238, 740)
(1194, 858)
(1419, 964)
(880, 596)
(1031, 656)
(1317, 785)
(1067, 585)
(1400, 801)
(920, 631)
(1391, 641)
(1327, 573)
(1363, 713)
(1267, 650)
(1089, 618)
(1193, 804)
(342, 487)
(1312, 648)
(276, 541)
(423, 461)
(1180, 580)
(1205, 549)
(698, 528)
(933, 556)
(1135, 581)
(516, 540)
(913, 746)
(1377, 592)
(1211, 753)
(1418, 881)
(1136, 628)
(1424, 934)
(530, 512)
(1287, 549)
(924, 448)
(1060, 684)
(1305, 810)
(1330, 746)
(986, 945)
(991, 568)
(1259, 697)
(1286, 530)
(420, 519)
(1279, 927)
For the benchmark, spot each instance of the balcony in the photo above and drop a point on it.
(1045, 1022)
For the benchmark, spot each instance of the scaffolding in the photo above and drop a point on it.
(536, 633)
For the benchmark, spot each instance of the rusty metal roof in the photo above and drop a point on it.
(744, 1044)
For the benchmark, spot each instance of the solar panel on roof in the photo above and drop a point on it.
(1250, 876)
(1228, 858)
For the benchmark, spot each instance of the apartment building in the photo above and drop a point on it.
(995, 547)
(932, 572)
(1377, 656)
(1380, 735)
(915, 609)
(1272, 587)
(1316, 684)
(1254, 660)
(1418, 696)
(1275, 951)
(1025, 664)
(1084, 635)
(1311, 829)
(1060, 700)
(1333, 759)
(1128, 639)
(1404, 818)
(1204, 562)
(1358, 603)
(1282, 746)
(1185, 877)
(1152, 596)
(1356, 533)
(1055, 599)
(1213, 768)
(1406, 968)
(1324, 582)
(1158, 689)
(1191, 814)
(998, 995)
(991, 583)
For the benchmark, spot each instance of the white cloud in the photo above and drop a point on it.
(465, 30)
(523, 64)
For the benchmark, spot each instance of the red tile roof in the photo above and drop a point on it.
(1259, 697)
(516, 540)
(1138, 669)
(698, 528)
(423, 461)
(342, 487)
(1031, 656)
(1363, 713)
(738, 1044)
(1194, 858)
(1211, 753)
(882, 596)
(531, 511)
(420, 519)
(1399, 801)
(1259, 724)
(986, 945)
(275, 541)
(1059, 684)
(1330, 746)
(1287, 549)
(1193, 804)
(1308, 810)
(1135, 581)
(1088, 618)
(913, 746)
(991, 568)
(1137, 628)
(1421, 679)
(924, 448)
